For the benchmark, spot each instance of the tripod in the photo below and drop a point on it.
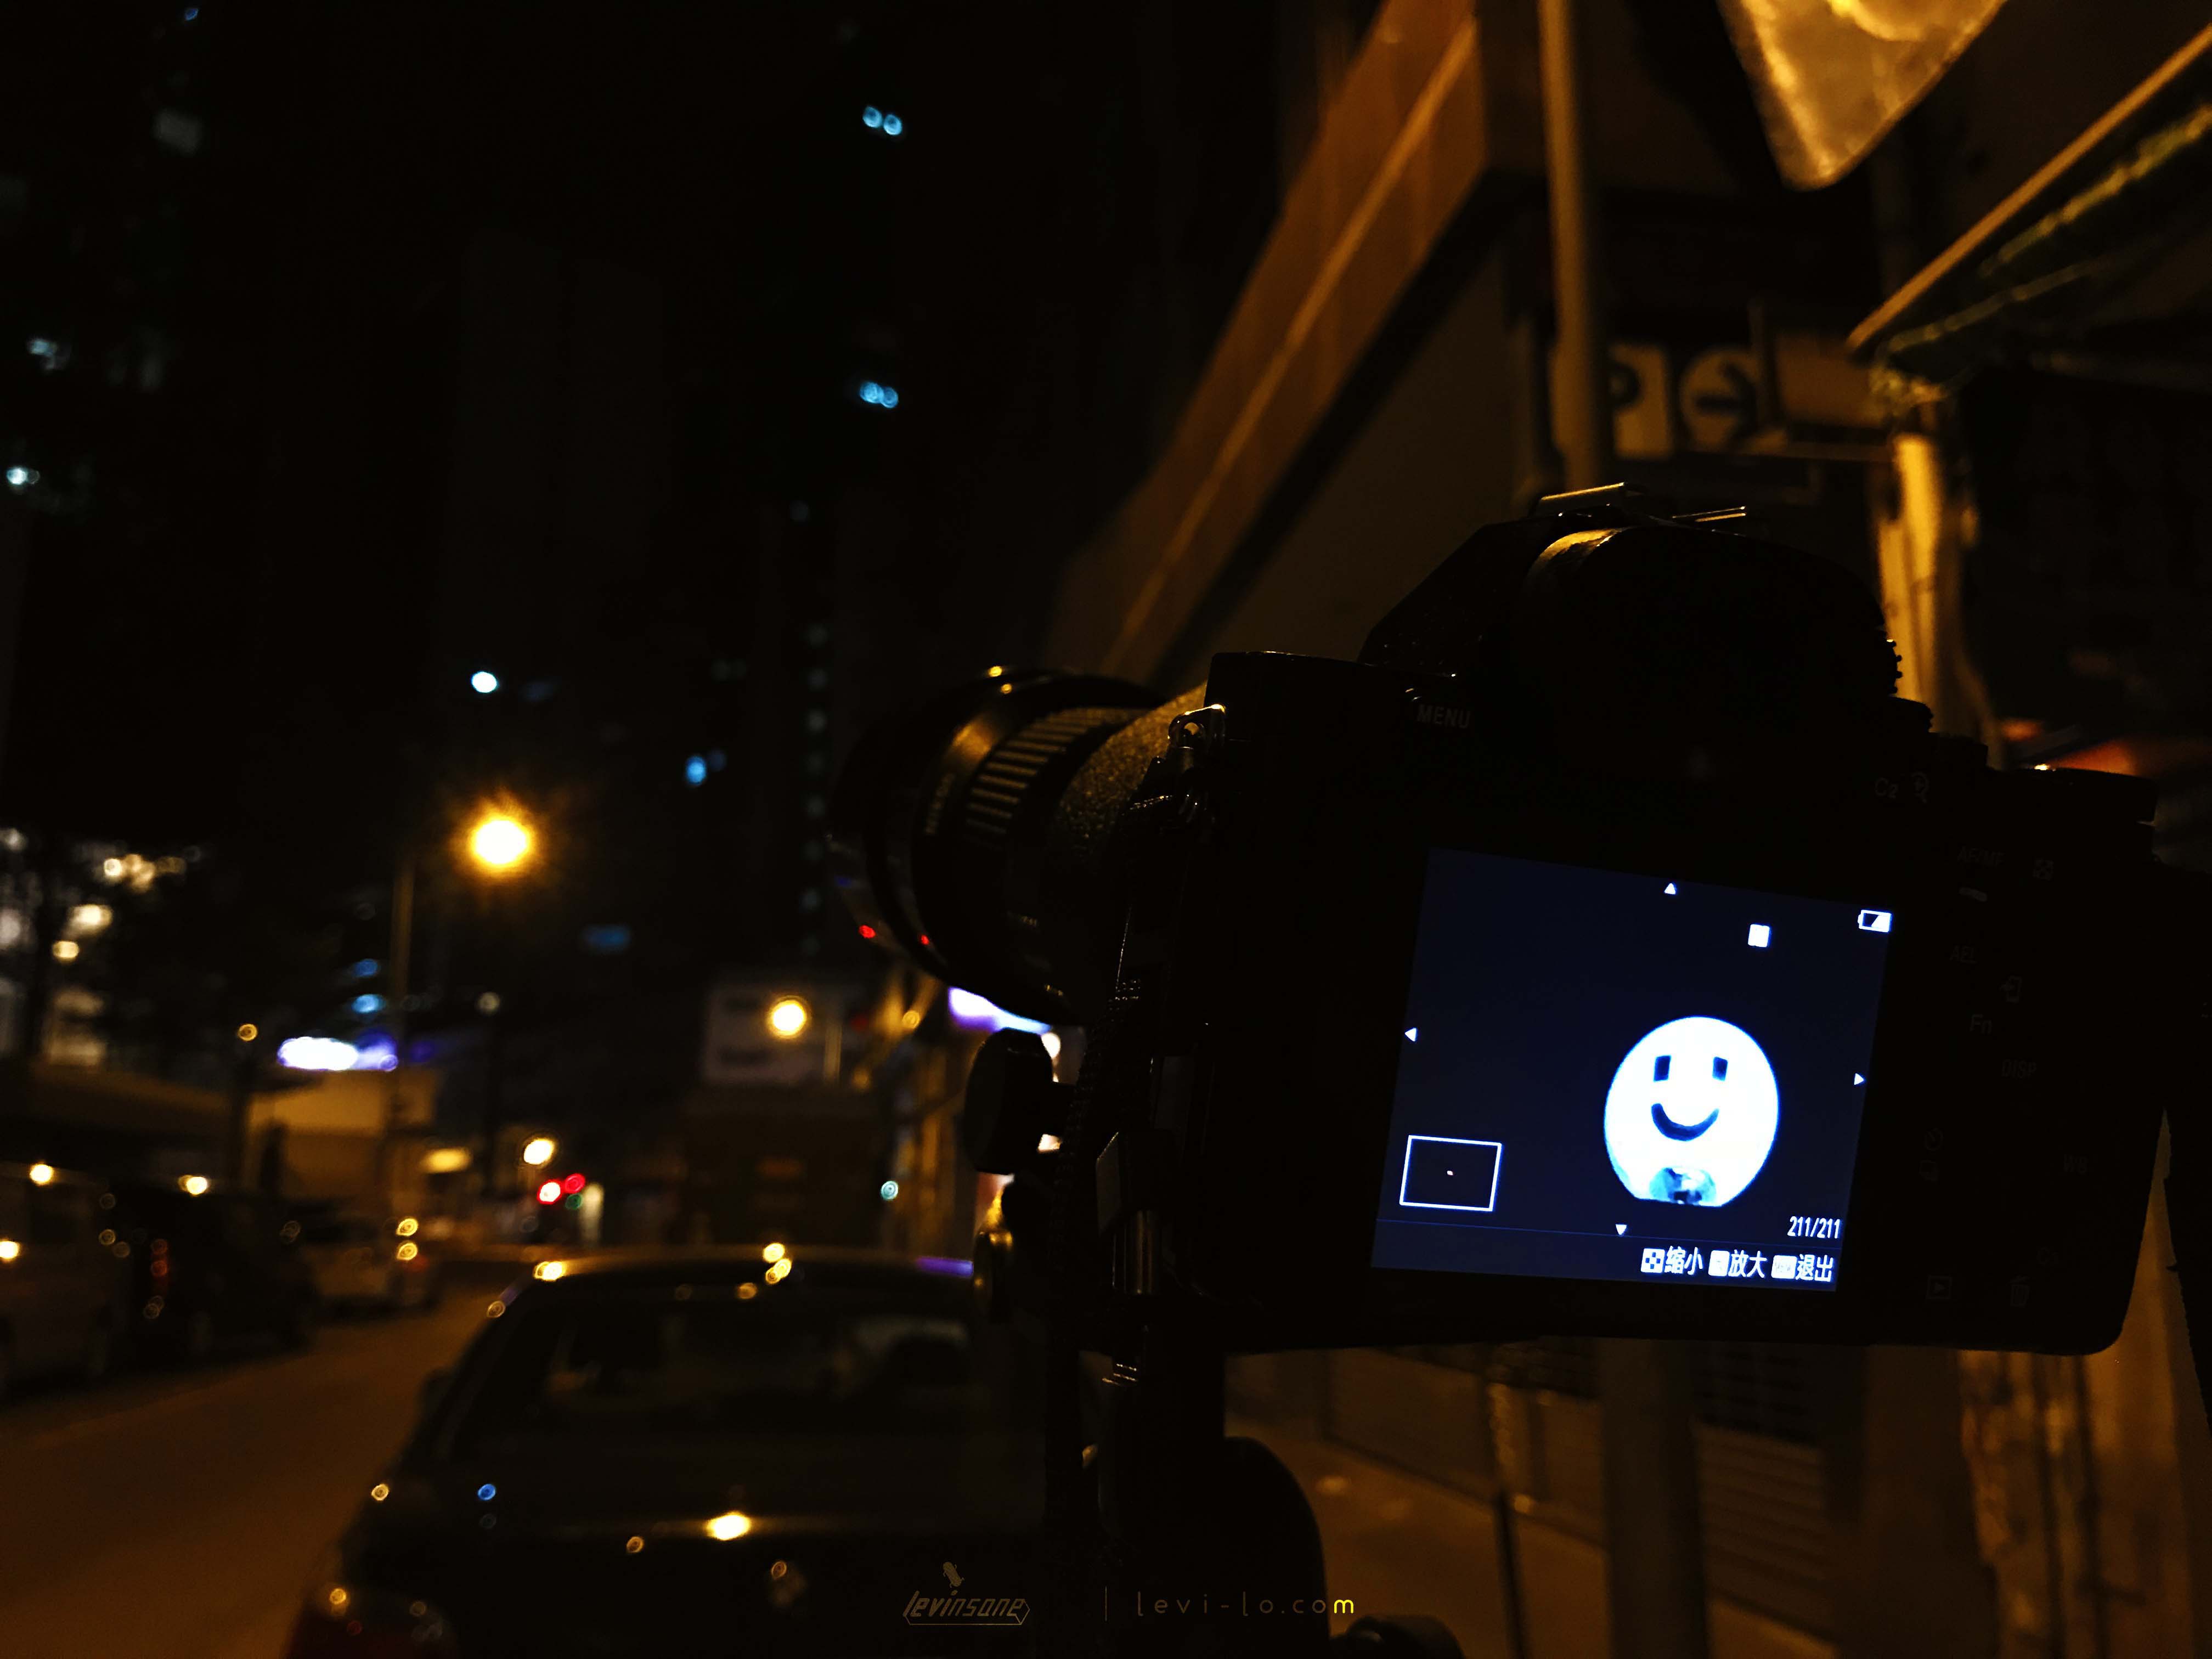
(1164, 1534)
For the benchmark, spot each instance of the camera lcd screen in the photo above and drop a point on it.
(1610, 1076)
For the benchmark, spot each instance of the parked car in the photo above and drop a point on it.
(62, 1281)
(684, 1451)
(212, 1263)
(367, 1262)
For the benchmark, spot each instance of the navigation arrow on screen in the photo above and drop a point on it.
(1855, 1078)
(1413, 1034)
(1620, 1226)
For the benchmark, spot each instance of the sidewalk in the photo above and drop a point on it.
(1396, 1543)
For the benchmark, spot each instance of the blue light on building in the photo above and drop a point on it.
(313, 1053)
(982, 1014)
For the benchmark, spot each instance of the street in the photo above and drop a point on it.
(177, 1514)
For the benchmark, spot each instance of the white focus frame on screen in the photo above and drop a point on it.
(1497, 1165)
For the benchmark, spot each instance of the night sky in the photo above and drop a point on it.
(240, 622)
(397, 342)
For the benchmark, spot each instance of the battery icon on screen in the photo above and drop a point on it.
(1873, 921)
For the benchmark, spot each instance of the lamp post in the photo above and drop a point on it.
(1655, 1563)
(1583, 416)
(789, 1018)
(401, 950)
(500, 843)
(245, 1063)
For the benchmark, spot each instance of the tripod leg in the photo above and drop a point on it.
(1211, 1546)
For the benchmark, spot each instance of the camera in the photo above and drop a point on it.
(1607, 950)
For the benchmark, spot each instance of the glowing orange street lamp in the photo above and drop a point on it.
(500, 844)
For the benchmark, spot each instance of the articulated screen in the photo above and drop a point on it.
(1614, 1076)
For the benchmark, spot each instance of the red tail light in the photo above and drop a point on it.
(341, 1621)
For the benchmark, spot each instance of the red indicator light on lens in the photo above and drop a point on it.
(925, 941)
(866, 932)
(573, 1183)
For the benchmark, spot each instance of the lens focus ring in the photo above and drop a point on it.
(1001, 783)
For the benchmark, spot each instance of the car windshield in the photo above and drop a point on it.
(336, 1229)
(160, 1209)
(727, 1361)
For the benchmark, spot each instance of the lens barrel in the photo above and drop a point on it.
(971, 833)
(974, 831)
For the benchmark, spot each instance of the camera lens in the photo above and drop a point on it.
(971, 832)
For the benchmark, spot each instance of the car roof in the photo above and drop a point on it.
(650, 1265)
(216, 1188)
(59, 1177)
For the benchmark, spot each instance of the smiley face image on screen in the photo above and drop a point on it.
(1691, 1113)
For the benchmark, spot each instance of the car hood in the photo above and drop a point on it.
(802, 1482)
(838, 1538)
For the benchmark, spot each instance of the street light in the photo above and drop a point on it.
(500, 843)
(788, 1017)
(538, 1152)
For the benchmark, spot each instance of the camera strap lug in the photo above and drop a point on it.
(1198, 729)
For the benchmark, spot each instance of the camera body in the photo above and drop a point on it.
(1607, 951)
(1391, 938)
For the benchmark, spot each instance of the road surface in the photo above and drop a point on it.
(180, 1514)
